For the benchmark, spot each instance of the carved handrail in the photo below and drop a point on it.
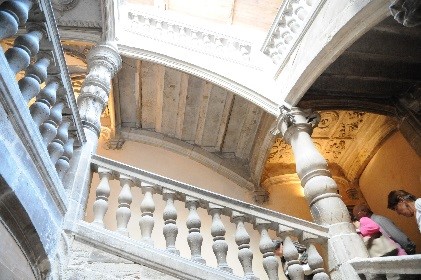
(206, 197)
(388, 266)
(36, 90)
(60, 62)
(288, 228)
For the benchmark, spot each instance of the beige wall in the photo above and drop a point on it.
(395, 166)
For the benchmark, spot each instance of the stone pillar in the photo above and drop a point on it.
(103, 63)
(320, 190)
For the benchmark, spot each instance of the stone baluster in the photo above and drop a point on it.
(35, 75)
(242, 238)
(170, 229)
(147, 207)
(219, 246)
(13, 13)
(266, 247)
(40, 109)
(123, 212)
(56, 147)
(100, 206)
(315, 261)
(290, 252)
(320, 189)
(63, 163)
(49, 128)
(194, 239)
(24, 47)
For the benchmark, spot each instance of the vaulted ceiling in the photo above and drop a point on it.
(161, 106)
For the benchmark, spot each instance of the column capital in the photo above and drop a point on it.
(291, 120)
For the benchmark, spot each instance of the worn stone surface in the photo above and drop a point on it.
(87, 262)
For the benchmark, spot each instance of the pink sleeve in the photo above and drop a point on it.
(368, 226)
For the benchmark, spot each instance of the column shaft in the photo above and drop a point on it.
(326, 205)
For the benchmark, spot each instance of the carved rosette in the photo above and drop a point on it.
(103, 63)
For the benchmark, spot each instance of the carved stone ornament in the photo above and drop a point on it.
(295, 118)
(406, 12)
(193, 38)
(64, 5)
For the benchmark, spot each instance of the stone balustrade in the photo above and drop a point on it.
(291, 23)
(124, 181)
(45, 87)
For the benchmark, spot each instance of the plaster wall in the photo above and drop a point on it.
(181, 168)
(394, 166)
(286, 195)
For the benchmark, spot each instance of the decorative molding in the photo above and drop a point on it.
(224, 82)
(291, 23)
(79, 23)
(190, 37)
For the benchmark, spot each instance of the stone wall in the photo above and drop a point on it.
(87, 262)
(13, 262)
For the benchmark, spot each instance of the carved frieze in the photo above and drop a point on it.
(190, 37)
(281, 152)
(291, 23)
(346, 139)
(350, 124)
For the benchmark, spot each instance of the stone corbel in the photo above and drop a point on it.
(260, 196)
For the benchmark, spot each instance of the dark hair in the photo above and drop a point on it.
(396, 196)
(361, 208)
(277, 244)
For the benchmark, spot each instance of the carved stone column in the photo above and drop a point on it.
(103, 63)
(320, 189)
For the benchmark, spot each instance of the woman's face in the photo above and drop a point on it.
(403, 208)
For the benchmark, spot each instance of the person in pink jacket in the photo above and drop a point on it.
(369, 228)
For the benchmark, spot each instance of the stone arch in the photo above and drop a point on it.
(16, 224)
